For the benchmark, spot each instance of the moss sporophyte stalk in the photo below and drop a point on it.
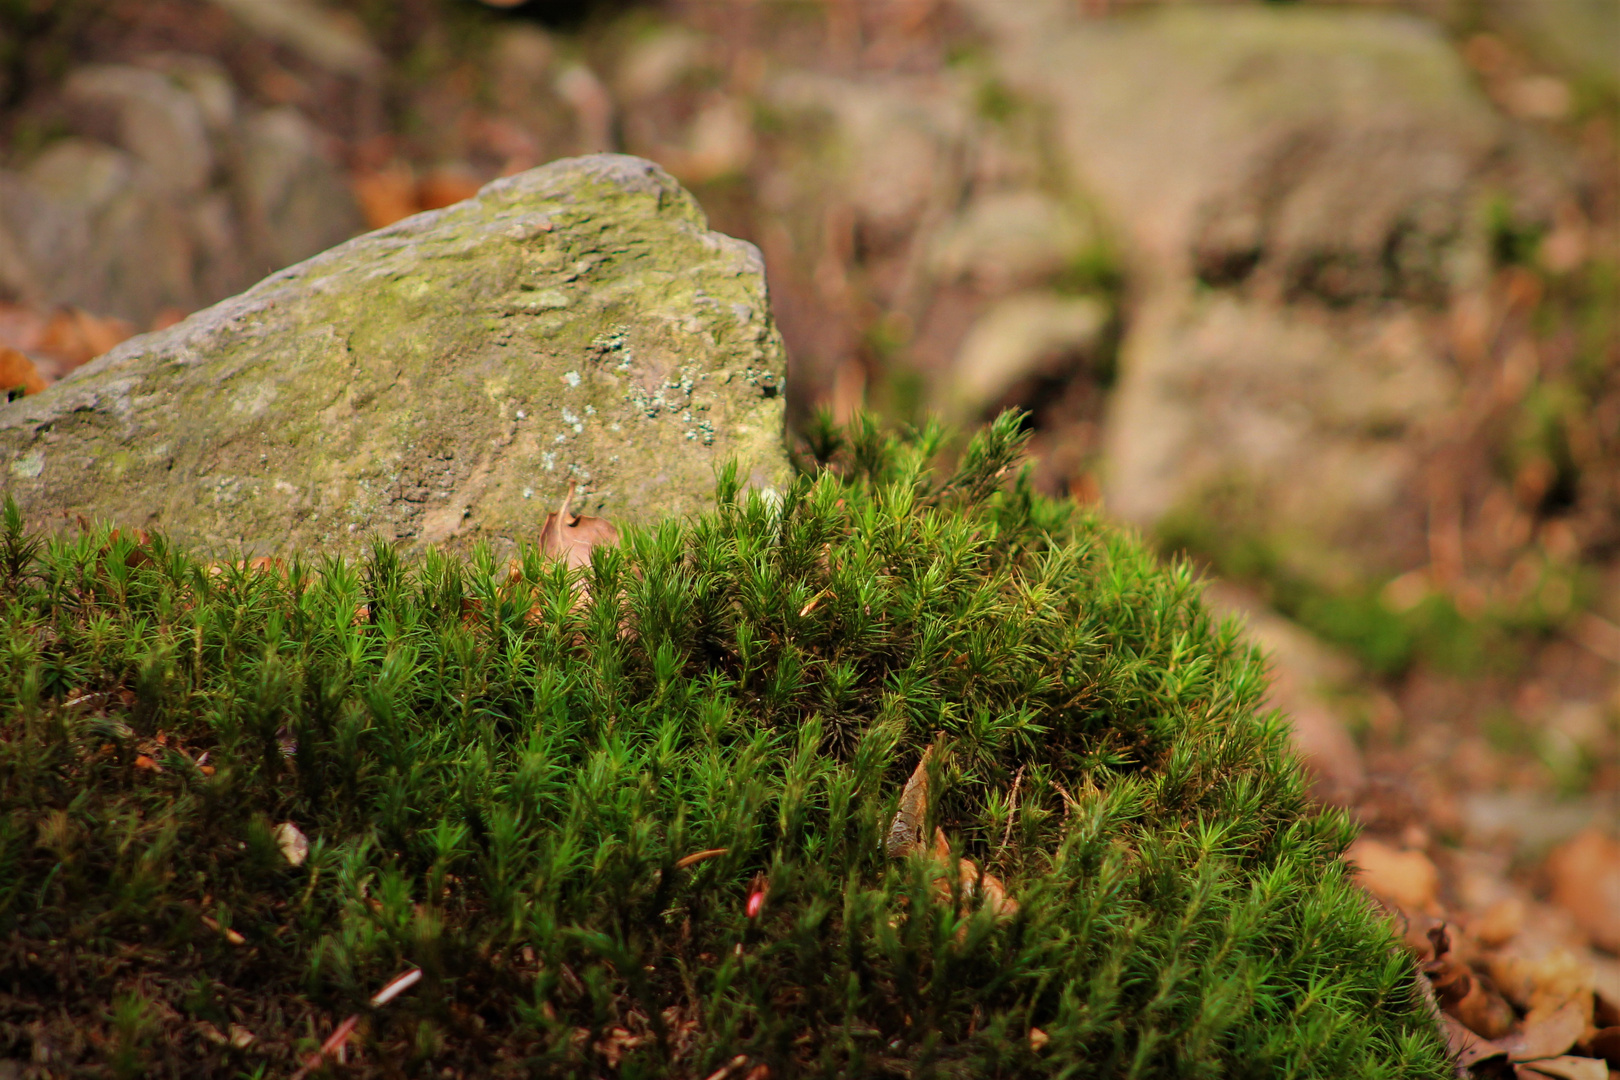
(734, 807)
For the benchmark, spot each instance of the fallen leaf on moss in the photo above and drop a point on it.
(1585, 878)
(906, 829)
(1038, 1038)
(144, 762)
(570, 537)
(293, 843)
(974, 882)
(241, 1037)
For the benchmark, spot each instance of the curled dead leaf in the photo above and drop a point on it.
(1038, 1038)
(1463, 993)
(241, 1037)
(570, 537)
(906, 830)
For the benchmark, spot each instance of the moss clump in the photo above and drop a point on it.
(499, 776)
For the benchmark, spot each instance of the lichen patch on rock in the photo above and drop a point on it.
(441, 380)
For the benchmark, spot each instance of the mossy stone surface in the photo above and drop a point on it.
(438, 381)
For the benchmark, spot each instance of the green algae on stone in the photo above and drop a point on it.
(442, 380)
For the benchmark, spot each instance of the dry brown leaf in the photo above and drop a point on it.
(1465, 1046)
(975, 884)
(1500, 923)
(73, 337)
(906, 830)
(1539, 972)
(1585, 878)
(16, 370)
(385, 195)
(761, 1071)
(1465, 994)
(144, 762)
(1406, 879)
(570, 537)
(241, 1037)
(445, 187)
(1567, 1068)
(1548, 1034)
(1484, 1010)
(1038, 1038)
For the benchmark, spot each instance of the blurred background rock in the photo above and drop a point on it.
(1323, 296)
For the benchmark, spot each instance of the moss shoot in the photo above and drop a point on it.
(502, 771)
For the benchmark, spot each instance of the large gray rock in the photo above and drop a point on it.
(441, 380)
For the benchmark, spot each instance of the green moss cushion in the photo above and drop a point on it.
(501, 770)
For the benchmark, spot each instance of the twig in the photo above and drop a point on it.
(699, 856)
(335, 1042)
(1012, 808)
(1069, 805)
